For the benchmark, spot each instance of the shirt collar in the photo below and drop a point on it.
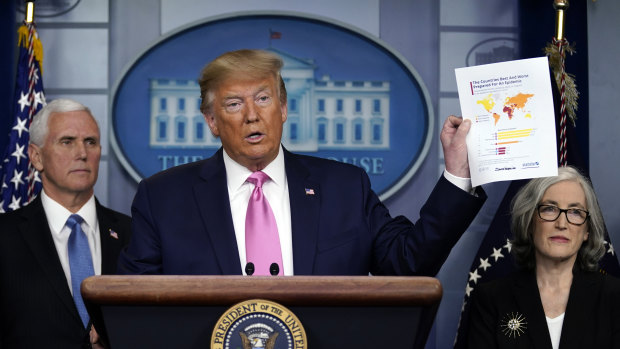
(57, 214)
(237, 174)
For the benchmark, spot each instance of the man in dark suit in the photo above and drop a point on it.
(194, 219)
(38, 304)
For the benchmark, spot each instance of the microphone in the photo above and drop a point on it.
(274, 269)
(249, 268)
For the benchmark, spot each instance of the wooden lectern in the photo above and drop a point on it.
(336, 311)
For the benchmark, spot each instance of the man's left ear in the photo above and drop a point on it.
(34, 153)
(585, 237)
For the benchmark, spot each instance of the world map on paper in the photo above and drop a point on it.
(508, 106)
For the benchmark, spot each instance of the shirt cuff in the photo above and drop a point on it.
(463, 183)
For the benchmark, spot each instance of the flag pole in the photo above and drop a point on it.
(556, 50)
(29, 11)
(31, 94)
(560, 6)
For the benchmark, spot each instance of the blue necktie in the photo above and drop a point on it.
(80, 262)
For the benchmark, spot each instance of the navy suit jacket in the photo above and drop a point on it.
(182, 224)
(36, 306)
(591, 320)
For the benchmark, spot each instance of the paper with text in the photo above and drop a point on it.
(513, 122)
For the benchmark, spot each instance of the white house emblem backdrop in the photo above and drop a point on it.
(351, 98)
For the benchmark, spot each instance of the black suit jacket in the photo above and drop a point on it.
(36, 306)
(182, 223)
(591, 320)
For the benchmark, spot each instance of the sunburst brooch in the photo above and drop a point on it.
(513, 325)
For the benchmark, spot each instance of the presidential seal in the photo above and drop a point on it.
(260, 324)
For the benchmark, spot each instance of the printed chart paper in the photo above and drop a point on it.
(513, 122)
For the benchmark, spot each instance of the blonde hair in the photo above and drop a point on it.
(241, 64)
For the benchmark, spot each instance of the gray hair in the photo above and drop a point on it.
(524, 207)
(39, 125)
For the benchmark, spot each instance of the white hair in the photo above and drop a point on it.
(39, 125)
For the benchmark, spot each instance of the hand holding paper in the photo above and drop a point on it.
(510, 106)
(453, 135)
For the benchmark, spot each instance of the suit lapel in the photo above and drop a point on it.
(581, 301)
(528, 299)
(211, 195)
(36, 232)
(305, 198)
(111, 243)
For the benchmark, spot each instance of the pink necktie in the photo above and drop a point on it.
(262, 243)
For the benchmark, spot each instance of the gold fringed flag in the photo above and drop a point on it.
(20, 182)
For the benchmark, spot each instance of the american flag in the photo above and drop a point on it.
(274, 34)
(20, 181)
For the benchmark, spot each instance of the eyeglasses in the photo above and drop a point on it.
(574, 216)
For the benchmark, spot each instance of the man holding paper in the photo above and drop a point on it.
(322, 216)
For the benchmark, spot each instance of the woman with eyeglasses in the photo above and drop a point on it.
(558, 298)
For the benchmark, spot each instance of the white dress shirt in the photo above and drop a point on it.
(555, 329)
(276, 192)
(57, 217)
(463, 183)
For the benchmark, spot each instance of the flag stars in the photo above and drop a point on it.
(611, 249)
(2, 207)
(33, 175)
(17, 178)
(39, 99)
(508, 245)
(19, 153)
(21, 126)
(497, 253)
(473, 276)
(36, 176)
(468, 290)
(35, 75)
(14, 205)
(484, 264)
(23, 101)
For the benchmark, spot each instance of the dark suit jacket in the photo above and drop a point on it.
(36, 306)
(592, 318)
(182, 223)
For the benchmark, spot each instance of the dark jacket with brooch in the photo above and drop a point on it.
(592, 318)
